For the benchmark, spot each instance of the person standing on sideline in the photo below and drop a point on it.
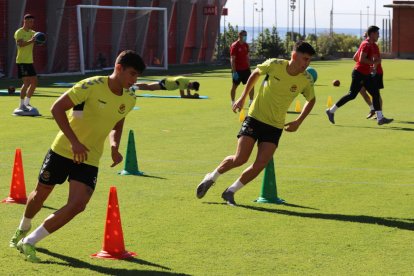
(98, 107)
(365, 75)
(240, 65)
(24, 60)
(284, 80)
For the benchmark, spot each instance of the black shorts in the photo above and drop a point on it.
(378, 78)
(243, 76)
(56, 169)
(162, 84)
(25, 70)
(260, 131)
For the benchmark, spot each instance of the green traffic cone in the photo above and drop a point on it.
(131, 163)
(269, 190)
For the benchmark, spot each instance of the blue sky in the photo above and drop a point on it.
(346, 13)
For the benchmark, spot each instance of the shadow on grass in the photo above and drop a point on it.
(387, 127)
(50, 208)
(153, 176)
(389, 222)
(275, 204)
(76, 263)
(399, 223)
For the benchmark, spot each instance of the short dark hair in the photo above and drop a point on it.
(28, 16)
(242, 32)
(196, 85)
(304, 47)
(372, 29)
(130, 58)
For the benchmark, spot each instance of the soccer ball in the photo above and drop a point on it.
(40, 38)
(313, 73)
(11, 90)
(336, 83)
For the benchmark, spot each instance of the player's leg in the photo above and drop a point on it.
(372, 85)
(233, 92)
(244, 78)
(23, 92)
(148, 86)
(245, 146)
(367, 99)
(79, 196)
(34, 204)
(30, 90)
(356, 85)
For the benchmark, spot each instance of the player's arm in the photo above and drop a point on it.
(22, 43)
(114, 140)
(59, 108)
(233, 63)
(355, 58)
(254, 77)
(307, 108)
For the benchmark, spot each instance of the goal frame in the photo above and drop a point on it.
(80, 37)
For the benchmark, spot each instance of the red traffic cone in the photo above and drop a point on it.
(113, 244)
(17, 186)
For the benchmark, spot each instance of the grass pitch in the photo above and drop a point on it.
(348, 186)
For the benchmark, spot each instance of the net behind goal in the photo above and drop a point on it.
(93, 35)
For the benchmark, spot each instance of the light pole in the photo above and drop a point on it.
(292, 8)
(304, 19)
(375, 12)
(367, 16)
(275, 14)
(244, 17)
(254, 4)
(259, 11)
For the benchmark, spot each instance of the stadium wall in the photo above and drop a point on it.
(192, 32)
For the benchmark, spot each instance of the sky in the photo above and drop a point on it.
(347, 13)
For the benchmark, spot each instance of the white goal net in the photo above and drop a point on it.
(92, 36)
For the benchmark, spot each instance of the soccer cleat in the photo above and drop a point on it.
(384, 121)
(203, 187)
(371, 114)
(228, 196)
(18, 235)
(330, 116)
(29, 251)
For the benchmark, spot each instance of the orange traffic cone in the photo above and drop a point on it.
(17, 186)
(113, 244)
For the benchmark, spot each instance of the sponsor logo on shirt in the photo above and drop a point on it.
(293, 88)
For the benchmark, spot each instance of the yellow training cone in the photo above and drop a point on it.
(241, 115)
(297, 106)
(329, 103)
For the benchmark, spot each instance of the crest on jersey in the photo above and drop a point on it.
(293, 88)
(121, 109)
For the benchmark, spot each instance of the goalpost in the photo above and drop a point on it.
(104, 31)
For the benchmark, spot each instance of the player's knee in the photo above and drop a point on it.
(239, 160)
(77, 207)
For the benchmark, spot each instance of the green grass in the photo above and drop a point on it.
(348, 186)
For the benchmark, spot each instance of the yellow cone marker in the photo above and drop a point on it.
(329, 103)
(241, 115)
(297, 106)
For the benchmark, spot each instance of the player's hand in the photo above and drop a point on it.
(80, 152)
(116, 157)
(238, 105)
(235, 76)
(292, 126)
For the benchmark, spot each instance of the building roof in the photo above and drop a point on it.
(400, 4)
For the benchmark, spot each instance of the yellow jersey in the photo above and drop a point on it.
(277, 92)
(97, 109)
(173, 83)
(24, 54)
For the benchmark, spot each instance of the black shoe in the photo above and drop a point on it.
(203, 187)
(330, 116)
(228, 196)
(371, 114)
(384, 121)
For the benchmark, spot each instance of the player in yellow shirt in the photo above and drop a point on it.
(173, 83)
(284, 80)
(24, 60)
(97, 108)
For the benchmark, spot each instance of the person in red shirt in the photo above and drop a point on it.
(240, 65)
(367, 73)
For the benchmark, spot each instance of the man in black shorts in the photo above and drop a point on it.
(79, 145)
(266, 119)
(240, 65)
(24, 60)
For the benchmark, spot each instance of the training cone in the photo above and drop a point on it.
(269, 190)
(17, 186)
(329, 103)
(113, 244)
(131, 163)
(242, 115)
(297, 106)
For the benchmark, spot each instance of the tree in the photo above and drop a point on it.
(269, 45)
(226, 38)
